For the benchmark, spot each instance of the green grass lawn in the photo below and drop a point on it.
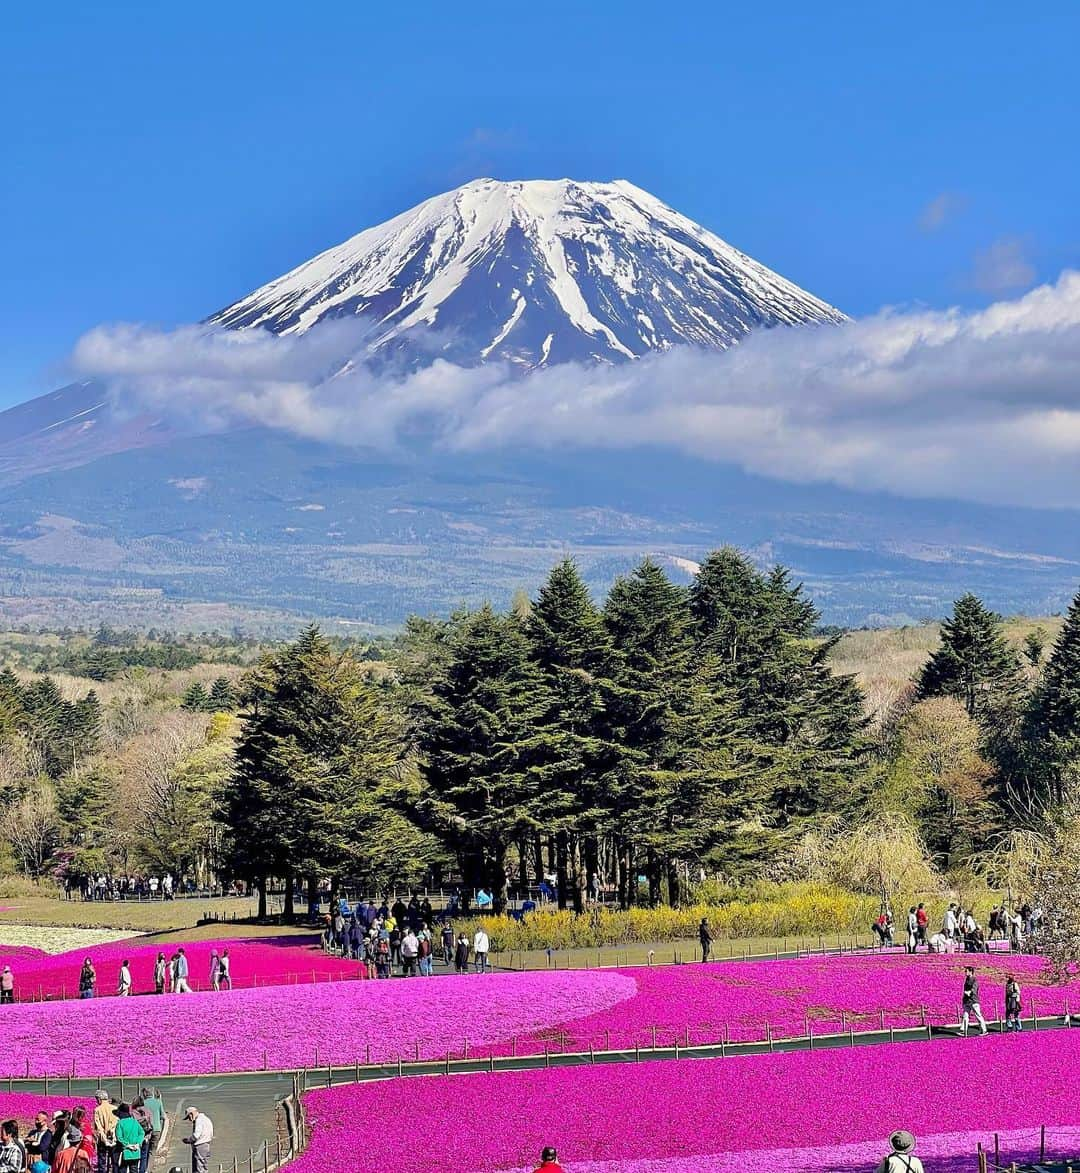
(146, 917)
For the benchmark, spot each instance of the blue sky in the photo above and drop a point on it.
(158, 161)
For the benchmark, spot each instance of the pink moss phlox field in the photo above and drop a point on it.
(24, 1106)
(283, 1027)
(253, 962)
(836, 1107)
(736, 999)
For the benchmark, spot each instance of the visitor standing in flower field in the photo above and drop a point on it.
(161, 971)
(224, 971)
(202, 1136)
(549, 1160)
(180, 971)
(87, 979)
(480, 951)
(123, 979)
(921, 921)
(215, 976)
(912, 929)
(7, 985)
(1012, 1004)
(971, 1002)
(705, 937)
(900, 1159)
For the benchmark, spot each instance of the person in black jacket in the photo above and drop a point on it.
(705, 937)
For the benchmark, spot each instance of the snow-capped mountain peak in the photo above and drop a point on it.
(534, 272)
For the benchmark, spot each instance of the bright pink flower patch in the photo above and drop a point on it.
(814, 1111)
(290, 1026)
(23, 1107)
(738, 1000)
(253, 961)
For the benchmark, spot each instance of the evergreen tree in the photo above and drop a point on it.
(221, 697)
(1051, 727)
(480, 748)
(322, 783)
(973, 663)
(572, 649)
(194, 699)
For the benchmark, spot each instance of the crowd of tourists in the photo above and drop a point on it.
(115, 1138)
(960, 929)
(403, 939)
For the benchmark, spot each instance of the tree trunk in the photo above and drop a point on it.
(261, 914)
(290, 911)
(561, 880)
(538, 851)
(523, 866)
(653, 870)
(578, 865)
(673, 882)
(592, 865)
(631, 876)
(312, 889)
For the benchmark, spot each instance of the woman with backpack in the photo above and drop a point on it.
(87, 979)
(1012, 1005)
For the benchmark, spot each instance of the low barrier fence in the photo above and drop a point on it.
(1067, 1161)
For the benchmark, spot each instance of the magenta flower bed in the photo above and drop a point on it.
(819, 1110)
(23, 1107)
(739, 1000)
(289, 1026)
(253, 962)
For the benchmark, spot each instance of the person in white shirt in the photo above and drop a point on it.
(202, 1135)
(948, 924)
(900, 1159)
(123, 981)
(480, 951)
(224, 972)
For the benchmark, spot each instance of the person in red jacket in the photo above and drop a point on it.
(549, 1160)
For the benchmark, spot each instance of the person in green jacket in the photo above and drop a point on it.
(151, 1099)
(129, 1138)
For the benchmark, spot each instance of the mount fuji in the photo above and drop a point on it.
(130, 516)
(533, 273)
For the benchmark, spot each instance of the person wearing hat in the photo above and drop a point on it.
(900, 1159)
(549, 1159)
(104, 1130)
(202, 1135)
(7, 985)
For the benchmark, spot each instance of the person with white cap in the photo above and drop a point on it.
(900, 1159)
(202, 1135)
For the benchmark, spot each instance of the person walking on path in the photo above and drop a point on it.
(480, 951)
(410, 951)
(202, 1136)
(161, 968)
(87, 979)
(948, 922)
(461, 954)
(105, 1132)
(1012, 1005)
(215, 971)
(224, 971)
(7, 986)
(900, 1159)
(180, 973)
(549, 1160)
(705, 937)
(971, 1002)
(448, 942)
(123, 980)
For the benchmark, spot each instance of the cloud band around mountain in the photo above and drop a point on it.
(978, 405)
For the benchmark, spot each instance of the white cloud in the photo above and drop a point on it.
(982, 406)
(1003, 267)
(945, 206)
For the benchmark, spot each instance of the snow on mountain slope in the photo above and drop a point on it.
(534, 272)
